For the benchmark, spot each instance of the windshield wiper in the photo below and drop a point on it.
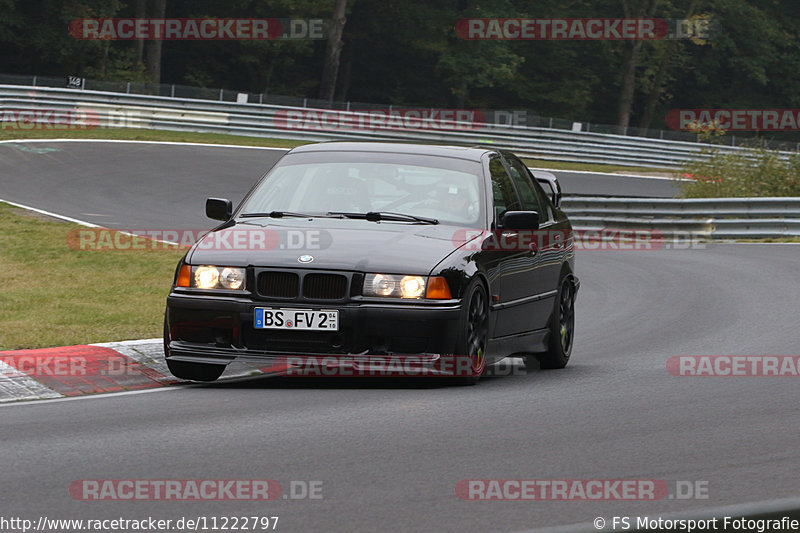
(375, 216)
(281, 214)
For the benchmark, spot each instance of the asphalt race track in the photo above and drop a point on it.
(389, 453)
(145, 185)
(129, 185)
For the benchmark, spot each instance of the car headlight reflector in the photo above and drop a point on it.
(214, 277)
(231, 278)
(381, 285)
(394, 285)
(412, 286)
(206, 277)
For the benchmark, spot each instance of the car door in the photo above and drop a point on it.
(549, 238)
(510, 262)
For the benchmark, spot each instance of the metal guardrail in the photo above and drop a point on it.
(165, 113)
(707, 218)
(520, 117)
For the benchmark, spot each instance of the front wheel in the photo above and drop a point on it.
(562, 327)
(473, 336)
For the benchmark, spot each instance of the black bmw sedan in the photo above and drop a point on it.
(445, 258)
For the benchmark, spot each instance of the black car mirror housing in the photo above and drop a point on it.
(219, 209)
(521, 220)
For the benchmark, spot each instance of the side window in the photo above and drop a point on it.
(531, 201)
(505, 197)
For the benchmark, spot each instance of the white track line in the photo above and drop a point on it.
(21, 401)
(170, 143)
(81, 222)
(156, 340)
(51, 214)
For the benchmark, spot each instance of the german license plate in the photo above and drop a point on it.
(305, 319)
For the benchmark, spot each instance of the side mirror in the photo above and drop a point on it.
(521, 220)
(549, 182)
(219, 209)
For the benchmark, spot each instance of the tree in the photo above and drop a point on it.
(158, 10)
(668, 51)
(641, 9)
(140, 12)
(330, 70)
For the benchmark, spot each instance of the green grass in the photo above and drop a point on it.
(54, 295)
(147, 135)
(221, 138)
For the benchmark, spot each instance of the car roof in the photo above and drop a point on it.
(459, 152)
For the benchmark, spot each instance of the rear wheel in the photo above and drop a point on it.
(562, 327)
(470, 355)
(190, 371)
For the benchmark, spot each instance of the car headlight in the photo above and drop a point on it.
(212, 277)
(400, 286)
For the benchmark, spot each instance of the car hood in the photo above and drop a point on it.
(335, 244)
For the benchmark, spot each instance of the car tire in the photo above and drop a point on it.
(190, 371)
(562, 327)
(473, 336)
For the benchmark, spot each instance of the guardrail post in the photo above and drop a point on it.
(551, 123)
(220, 94)
(128, 88)
(304, 101)
(34, 81)
(172, 91)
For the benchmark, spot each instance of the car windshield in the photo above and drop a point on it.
(444, 189)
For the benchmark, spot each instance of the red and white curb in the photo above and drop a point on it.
(109, 367)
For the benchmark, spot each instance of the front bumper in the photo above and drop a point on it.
(220, 330)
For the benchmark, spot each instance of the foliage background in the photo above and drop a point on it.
(405, 52)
